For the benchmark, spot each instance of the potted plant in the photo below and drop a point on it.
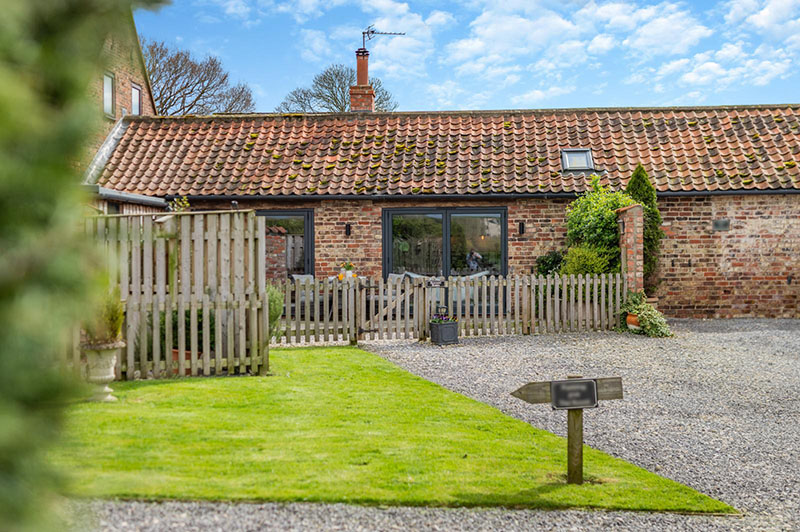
(102, 344)
(444, 328)
(346, 271)
(631, 309)
(642, 318)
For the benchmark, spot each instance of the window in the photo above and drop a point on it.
(289, 243)
(108, 94)
(446, 241)
(577, 159)
(136, 100)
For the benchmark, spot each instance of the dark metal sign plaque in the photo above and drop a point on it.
(573, 393)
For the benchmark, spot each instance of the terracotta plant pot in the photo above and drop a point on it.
(187, 356)
(633, 322)
(100, 362)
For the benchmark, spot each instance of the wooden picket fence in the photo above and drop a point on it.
(195, 294)
(400, 308)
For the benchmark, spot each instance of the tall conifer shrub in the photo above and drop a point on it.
(642, 191)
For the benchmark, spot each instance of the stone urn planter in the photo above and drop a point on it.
(102, 344)
(100, 362)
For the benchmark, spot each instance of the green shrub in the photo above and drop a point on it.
(106, 326)
(584, 259)
(275, 296)
(651, 321)
(549, 263)
(592, 220)
(642, 191)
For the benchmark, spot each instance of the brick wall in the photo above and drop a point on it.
(275, 256)
(736, 273)
(545, 229)
(123, 60)
(741, 272)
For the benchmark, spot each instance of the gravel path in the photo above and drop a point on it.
(716, 407)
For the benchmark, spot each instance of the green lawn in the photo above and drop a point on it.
(338, 424)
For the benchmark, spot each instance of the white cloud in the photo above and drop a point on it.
(439, 18)
(775, 15)
(445, 94)
(616, 16)
(537, 95)
(739, 10)
(729, 52)
(672, 67)
(672, 32)
(234, 8)
(705, 73)
(314, 46)
(601, 44)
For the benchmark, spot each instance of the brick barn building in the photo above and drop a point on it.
(447, 193)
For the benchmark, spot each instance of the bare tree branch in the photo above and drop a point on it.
(183, 85)
(330, 92)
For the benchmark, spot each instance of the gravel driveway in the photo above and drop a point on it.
(716, 407)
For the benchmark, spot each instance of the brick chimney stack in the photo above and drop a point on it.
(362, 97)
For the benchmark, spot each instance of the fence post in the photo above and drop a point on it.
(355, 314)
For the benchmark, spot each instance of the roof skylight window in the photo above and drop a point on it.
(577, 159)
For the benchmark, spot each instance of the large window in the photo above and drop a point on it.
(447, 241)
(289, 242)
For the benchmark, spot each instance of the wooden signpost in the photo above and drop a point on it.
(572, 395)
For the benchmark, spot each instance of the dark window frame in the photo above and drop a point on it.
(446, 212)
(308, 232)
(565, 165)
(112, 115)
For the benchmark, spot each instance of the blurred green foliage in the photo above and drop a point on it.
(50, 51)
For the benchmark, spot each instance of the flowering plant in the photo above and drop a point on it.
(443, 318)
(347, 265)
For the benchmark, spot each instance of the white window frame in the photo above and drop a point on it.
(110, 76)
(136, 109)
(565, 161)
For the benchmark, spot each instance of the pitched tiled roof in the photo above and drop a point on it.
(682, 149)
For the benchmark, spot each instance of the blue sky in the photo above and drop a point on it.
(507, 54)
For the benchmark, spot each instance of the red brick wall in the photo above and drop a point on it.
(276, 256)
(741, 272)
(737, 273)
(123, 60)
(545, 229)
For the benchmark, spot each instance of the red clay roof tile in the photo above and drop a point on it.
(682, 149)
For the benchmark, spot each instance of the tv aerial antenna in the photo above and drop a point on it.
(369, 33)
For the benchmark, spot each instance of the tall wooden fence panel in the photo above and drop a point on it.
(194, 289)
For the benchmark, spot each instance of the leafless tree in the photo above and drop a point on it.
(330, 92)
(184, 85)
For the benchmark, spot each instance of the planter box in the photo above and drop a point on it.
(444, 333)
